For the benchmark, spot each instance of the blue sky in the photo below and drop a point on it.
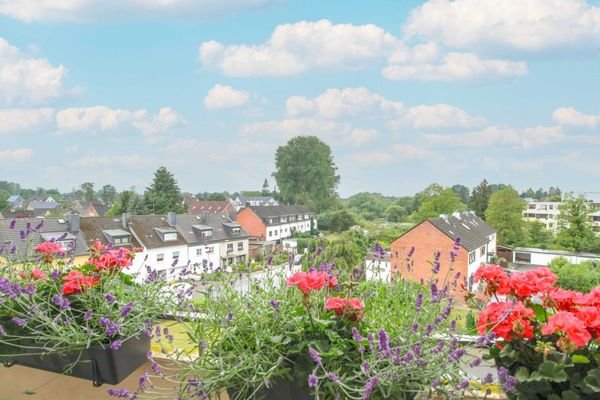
(405, 93)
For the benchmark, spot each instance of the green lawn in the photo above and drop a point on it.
(180, 338)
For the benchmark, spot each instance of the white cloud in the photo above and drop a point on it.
(222, 96)
(372, 158)
(80, 10)
(24, 119)
(16, 155)
(287, 128)
(360, 137)
(570, 116)
(102, 118)
(25, 80)
(133, 161)
(72, 149)
(501, 136)
(519, 24)
(294, 48)
(453, 66)
(437, 116)
(411, 152)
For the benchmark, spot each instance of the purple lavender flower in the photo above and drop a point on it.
(142, 382)
(419, 302)
(126, 309)
(110, 298)
(414, 327)
(435, 383)
(23, 234)
(88, 314)
(314, 355)
(371, 341)
(428, 330)
(366, 368)
(120, 393)
(104, 321)
(356, 335)
(384, 342)
(438, 347)
(475, 362)
(112, 329)
(13, 223)
(275, 305)
(18, 321)
(411, 251)
(40, 225)
(319, 250)
(229, 316)
(332, 377)
(312, 381)
(56, 275)
(489, 378)
(462, 385)
(370, 385)
(116, 345)
(456, 355)
(417, 349)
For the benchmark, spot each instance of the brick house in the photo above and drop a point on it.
(477, 245)
(197, 207)
(274, 223)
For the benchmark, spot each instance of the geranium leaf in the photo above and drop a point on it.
(580, 359)
(522, 374)
(591, 383)
(549, 371)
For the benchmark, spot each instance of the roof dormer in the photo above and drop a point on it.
(166, 234)
(117, 237)
(203, 230)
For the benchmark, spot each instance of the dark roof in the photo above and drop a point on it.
(101, 208)
(24, 213)
(472, 230)
(51, 228)
(218, 222)
(196, 207)
(278, 211)
(42, 205)
(144, 228)
(94, 227)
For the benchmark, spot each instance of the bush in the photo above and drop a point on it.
(580, 277)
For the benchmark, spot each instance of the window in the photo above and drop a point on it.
(206, 233)
(229, 247)
(198, 252)
(482, 251)
(471, 257)
(270, 233)
(235, 231)
(523, 258)
(160, 257)
(117, 240)
(170, 236)
(240, 245)
(209, 250)
(175, 255)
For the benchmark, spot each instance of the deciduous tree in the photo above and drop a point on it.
(575, 232)
(505, 213)
(435, 200)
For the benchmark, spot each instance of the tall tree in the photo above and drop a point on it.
(4, 195)
(368, 205)
(265, 188)
(87, 189)
(575, 232)
(109, 193)
(435, 200)
(462, 192)
(505, 213)
(480, 198)
(163, 195)
(306, 173)
(539, 237)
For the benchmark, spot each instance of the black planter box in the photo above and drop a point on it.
(282, 390)
(100, 365)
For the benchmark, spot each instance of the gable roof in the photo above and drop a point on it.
(47, 228)
(198, 206)
(472, 230)
(277, 211)
(42, 205)
(144, 229)
(94, 227)
(220, 224)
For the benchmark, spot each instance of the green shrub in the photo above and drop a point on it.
(581, 277)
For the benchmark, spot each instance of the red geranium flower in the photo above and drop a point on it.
(561, 299)
(75, 282)
(569, 324)
(352, 308)
(307, 281)
(37, 274)
(49, 249)
(114, 259)
(506, 320)
(495, 278)
(539, 280)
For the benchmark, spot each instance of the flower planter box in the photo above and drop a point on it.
(281, 390)
(100, 365)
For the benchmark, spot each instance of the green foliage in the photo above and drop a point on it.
(575, 232)
(480, 198)
(87, 189)
(4, 195)
(436, 200)
(581, 277)
(337, 220)
(504, 213)
(163, 195)
(462, 192)
(347, 250)
(368, 205)
(385, 235)
(108, 194)
(306, 173)
(395, 213)
(265, 188)
(128, 202)
(539, 237)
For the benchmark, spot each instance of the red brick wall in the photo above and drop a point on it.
(251, 223)
(427, 240)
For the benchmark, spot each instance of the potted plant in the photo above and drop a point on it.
(86, 320)
(545, 338)
(316, 334)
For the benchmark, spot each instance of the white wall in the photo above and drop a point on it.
(140, 261)
(284, 230)
(209, 253)
(378, 270)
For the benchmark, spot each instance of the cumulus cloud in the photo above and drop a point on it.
(570, 116)
(25, 80)
(82, 10)
(295, 48)
(411, 152)
(520, 24)
(222, 96)
(102, 118)
(500, 136)
(360, 137)
(16, 155)
(360, 102)
(25, 119)
(290, 127)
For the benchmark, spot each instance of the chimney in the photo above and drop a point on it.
(125, 220)
(456, 214)
(248, 204)
(205, 217)
(74, 223)
(232, 215)
(171, 218)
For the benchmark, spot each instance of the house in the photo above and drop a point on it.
(108, 231)
(42, 205)
(548, 212)
(244, 201)
(29, 232)
(214, 240)
(274, 223)
(197, 207)
(93, 209)
(15, 201)
(378, 268)
(524, 258)
(413, 253)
